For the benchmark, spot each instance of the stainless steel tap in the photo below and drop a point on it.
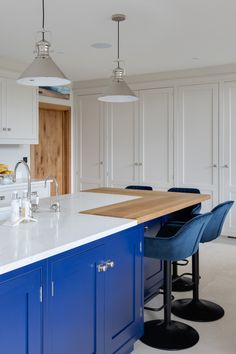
(54, 205)
(28, 176)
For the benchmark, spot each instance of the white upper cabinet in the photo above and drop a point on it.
(156, 138)
(228, 154)
(90, 145)
(19, 113)
(197, 139)
(123, 162)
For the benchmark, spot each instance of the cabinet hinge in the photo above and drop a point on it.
(141, 247)
(41, 294)
(52, 288)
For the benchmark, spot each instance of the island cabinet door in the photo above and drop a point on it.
(20, 314)
(124, 292)
(76, 304)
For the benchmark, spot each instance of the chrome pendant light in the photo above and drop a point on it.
(43, 71)
(118, 91)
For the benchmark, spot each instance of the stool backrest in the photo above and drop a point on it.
(181, 245)
(215, 225)
(144, 188)
(194, 209)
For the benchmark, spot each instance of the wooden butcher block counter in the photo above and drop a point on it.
(150, 204)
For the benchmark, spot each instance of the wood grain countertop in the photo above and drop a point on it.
(150, 205)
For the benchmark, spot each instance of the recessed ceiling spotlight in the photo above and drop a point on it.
(101, 45)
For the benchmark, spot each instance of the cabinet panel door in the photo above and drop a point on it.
(124, 291)
(156, 138)
(90, 147)
(77, 304)
(21, 111)
(122, 145)
(21, 319)
(197, 139)
(228, 153)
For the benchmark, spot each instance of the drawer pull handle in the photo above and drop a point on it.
(110, 264)
(102, 267)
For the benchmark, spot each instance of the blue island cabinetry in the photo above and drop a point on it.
(83, 301)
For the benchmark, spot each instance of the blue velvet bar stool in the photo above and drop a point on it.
(196, 309)
(144, 188)
(182, 282)
(168, 334)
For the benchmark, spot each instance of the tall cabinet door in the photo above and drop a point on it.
(197, 139)
(228, 153)
(123, 167)
(156, 138)
(90, 146)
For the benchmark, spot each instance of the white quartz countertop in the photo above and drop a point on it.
(55, 233)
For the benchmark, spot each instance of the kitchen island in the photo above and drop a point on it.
(73, 282)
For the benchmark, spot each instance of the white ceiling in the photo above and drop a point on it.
(159, 35)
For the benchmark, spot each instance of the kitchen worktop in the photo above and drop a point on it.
(58, 232)
(150, 205)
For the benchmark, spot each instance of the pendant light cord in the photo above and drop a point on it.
(118, 44)
(43, 20)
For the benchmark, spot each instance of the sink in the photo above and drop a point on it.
(5, 213)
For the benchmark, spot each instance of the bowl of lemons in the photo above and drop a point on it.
(6, 175)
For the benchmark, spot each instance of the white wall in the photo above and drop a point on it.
(10, 154)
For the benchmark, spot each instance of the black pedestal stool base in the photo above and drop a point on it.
(181, 284)
(199, 311)
(175, 336)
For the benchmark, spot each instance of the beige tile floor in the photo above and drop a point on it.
(218, 284)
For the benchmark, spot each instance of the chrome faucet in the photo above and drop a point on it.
(28, 176)
(54, 205)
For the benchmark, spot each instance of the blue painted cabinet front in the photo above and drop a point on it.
(21, 313)
(124, 292)
(76, 316)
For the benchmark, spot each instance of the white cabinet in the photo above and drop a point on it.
(122, 144)
(156, 138)
(123, 158)
(197, 139)
(228, 154)
(90, 143)
(19, 113)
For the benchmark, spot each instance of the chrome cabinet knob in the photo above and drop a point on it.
(8, 129)
(215, 165)
(136, 164)
(110, 264)
(4, 129)
(226, 166)
(102, 267)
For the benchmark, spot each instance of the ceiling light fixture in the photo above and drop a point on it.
(43, 71)
(118, 91)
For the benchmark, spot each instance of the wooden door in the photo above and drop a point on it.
(156, 138)
(51, 157)
(197, 139)
(228, 152)
(90, 147)
(123, 166)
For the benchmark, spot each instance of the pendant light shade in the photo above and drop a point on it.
(43, 71)
(118, 91)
